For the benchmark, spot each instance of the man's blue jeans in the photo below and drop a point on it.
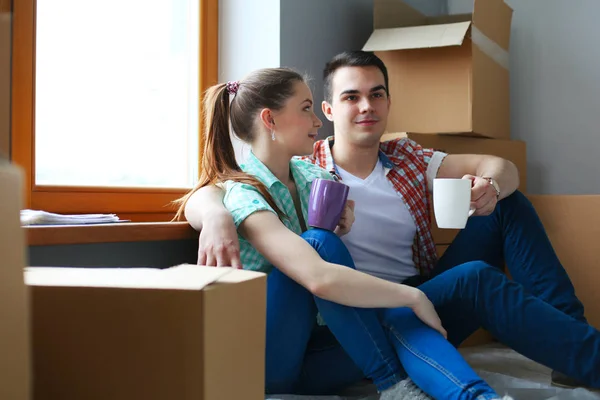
(537, 314)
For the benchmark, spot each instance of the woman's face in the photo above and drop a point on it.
(296, 125)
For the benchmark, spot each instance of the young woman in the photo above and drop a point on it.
(372, 328)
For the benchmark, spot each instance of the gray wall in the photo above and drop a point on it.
(429, 7)
(313, 31)
(555, 91)
(555, 75)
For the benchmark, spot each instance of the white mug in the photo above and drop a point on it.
(452, 202)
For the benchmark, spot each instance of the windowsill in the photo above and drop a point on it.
(108, 233)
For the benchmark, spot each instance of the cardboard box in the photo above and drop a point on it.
(571, 224)
(446, 74)
(512, 150)
(15, 374)
(137, 333)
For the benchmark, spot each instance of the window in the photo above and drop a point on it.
(106, 102)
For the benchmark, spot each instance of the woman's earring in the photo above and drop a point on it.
(272, 134)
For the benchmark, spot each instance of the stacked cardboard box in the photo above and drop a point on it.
(449, 81)
(447, 74)
(512, 150)
(449, 84)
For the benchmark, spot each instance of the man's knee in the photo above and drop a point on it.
(475, 271)
(516, 199)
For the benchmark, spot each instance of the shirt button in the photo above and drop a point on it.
(255, 201)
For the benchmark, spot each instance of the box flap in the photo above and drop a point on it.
(183, 277)
(493, 18)
(417, 37)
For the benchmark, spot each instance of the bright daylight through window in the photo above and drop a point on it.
(116, 93)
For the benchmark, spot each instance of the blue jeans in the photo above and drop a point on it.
(537, 314)
(381, 344)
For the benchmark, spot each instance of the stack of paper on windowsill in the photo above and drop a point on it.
(37, 217)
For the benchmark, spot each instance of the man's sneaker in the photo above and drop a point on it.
(561, 380)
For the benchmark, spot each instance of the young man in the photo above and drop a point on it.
(391, 236)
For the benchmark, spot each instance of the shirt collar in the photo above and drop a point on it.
(332, 168)
(254, 166)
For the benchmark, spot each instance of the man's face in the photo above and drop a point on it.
(359, 106)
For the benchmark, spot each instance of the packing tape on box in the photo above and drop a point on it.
(489, 47)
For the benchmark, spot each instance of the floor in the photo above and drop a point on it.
(505, 370)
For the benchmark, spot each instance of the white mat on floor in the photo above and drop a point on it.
(505, 370)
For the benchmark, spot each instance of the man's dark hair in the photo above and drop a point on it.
(356, 58)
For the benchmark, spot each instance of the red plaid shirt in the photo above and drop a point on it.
(407, 164)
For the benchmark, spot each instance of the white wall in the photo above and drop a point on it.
(249, 39)
(313, 31)
(301, 34)
(555, 91)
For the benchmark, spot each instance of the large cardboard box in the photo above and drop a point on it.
(15, 374)
(512, 150)
(186, 333)
(446, 74)
(572, 223)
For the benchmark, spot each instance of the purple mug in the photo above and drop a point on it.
(326, 203)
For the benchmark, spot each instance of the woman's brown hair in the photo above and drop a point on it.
(264, 88)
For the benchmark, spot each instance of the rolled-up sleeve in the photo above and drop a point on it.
(243, 200)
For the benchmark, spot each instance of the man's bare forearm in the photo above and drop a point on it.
(503, 171)
(207, 201)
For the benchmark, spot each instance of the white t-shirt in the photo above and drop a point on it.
(383, 233)
(382, 236)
